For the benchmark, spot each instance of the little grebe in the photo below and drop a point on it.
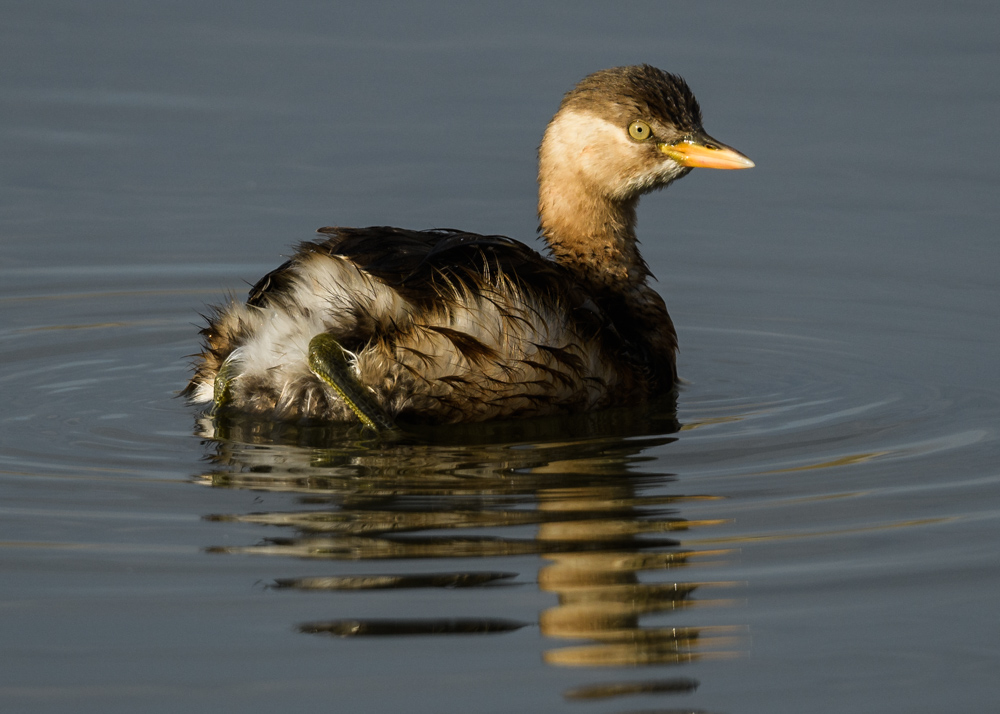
(445, 326)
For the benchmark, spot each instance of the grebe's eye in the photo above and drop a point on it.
(639, 130)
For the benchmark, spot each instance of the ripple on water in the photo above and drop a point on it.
(91, 361)
(790, 403)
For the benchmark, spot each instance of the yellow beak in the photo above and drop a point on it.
(702, 151)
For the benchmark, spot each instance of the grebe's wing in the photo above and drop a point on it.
(414, 262)
(380, 250)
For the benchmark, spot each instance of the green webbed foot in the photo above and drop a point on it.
(222, 392)
(329, 361)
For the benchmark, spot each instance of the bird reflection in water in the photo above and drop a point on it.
(563, 489)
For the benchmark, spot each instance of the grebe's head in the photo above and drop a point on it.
(627, 130)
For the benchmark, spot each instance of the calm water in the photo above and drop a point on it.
(812, 527)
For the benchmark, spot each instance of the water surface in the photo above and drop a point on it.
(811, 526)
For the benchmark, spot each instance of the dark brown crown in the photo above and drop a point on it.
(637, 92)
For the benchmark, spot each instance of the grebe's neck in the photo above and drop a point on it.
(586, 205)
(592, 235)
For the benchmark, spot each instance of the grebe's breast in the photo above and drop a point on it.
(441, 326)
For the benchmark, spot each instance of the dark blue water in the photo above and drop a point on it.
(812, 527)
